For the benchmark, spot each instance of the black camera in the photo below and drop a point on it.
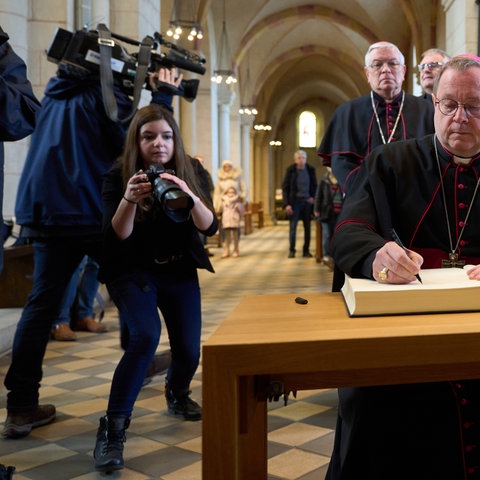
(174, 201)
(78, 54)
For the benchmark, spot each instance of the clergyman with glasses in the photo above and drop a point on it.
(430, 63)
(386, 114)
(427, 190)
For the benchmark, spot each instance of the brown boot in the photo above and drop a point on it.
(63, 333)
(88, 324)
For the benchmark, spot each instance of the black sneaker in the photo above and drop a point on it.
(183, 405)
(20, 424)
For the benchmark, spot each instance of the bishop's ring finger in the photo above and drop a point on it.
(383, 274)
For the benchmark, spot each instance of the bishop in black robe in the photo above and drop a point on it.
(353, 131)
(428, 431)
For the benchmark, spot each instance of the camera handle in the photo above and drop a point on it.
(106, 76)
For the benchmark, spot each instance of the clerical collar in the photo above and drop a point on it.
(462, 160)
(378, 97)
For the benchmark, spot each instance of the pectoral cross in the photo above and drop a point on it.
(453, 261)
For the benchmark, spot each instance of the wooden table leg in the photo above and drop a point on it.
(234, 436)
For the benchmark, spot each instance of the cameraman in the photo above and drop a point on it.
(60, 209)
(19, 106)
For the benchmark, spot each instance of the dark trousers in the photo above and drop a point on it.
(173, 289)
(302, 210)
(56, 260)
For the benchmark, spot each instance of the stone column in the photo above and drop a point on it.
(225, 98)
(245, 150)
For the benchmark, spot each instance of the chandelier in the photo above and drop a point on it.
(183, 21)
(223, 71)
(262, 127)
(247, 110)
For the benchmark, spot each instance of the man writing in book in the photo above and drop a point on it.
(427, 190)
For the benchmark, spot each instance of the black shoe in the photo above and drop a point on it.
(108, 451)
(291, 254)
(158, 366)
(20, 424)
(183, 405)
(307, 255)
(6, 473)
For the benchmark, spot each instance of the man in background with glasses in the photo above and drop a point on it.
(384, 115)
(431, 62)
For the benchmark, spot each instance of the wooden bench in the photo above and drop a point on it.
(16, 280)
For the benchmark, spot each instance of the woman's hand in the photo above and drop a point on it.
(202, 216)
(138, 187)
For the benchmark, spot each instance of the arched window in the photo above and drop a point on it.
(307, 130)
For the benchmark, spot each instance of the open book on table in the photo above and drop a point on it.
(443, 290)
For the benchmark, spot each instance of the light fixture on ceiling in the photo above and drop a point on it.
(262, 127)
(183, 21)
(223, 71)
(275, 143)
(247, 110)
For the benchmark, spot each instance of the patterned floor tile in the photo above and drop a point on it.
(77, 378)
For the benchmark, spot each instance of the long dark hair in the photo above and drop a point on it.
(131, 160)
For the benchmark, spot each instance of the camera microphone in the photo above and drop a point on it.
(183, 63)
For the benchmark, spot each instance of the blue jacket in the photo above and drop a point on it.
(19, 104)
(72, 147)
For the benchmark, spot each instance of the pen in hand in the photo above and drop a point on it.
(397, 240)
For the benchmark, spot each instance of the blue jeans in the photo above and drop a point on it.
(80, 297)
(174, 289)
(326, 234)
(302, 210)
(56, 260)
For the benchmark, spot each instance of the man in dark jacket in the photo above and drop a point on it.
(59, 206)
(299, 187)
(19, 106)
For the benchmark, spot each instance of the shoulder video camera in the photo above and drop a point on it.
(78, 54)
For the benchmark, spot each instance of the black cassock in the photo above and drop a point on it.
(353, 131)
(428, 431)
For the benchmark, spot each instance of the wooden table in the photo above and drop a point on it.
(270, 342)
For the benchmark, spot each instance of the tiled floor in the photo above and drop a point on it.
(77, 378)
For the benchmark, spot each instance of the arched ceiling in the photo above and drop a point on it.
(296, 52)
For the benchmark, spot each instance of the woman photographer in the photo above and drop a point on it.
(151, 258)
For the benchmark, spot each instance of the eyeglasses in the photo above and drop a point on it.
(391, 64)
(449, 107)
(430, 66)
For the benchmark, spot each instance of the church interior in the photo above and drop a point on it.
(285, 59)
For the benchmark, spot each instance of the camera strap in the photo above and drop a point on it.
(106, 76)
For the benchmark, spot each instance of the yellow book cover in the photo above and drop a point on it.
(442, 290)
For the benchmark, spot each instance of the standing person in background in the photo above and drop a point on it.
(225, 176)
(299, 187)
(152, 253)
(233, 210)
(431, 62)
(19, 107)
(77, 310)
(387, 114)
(327, 207)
